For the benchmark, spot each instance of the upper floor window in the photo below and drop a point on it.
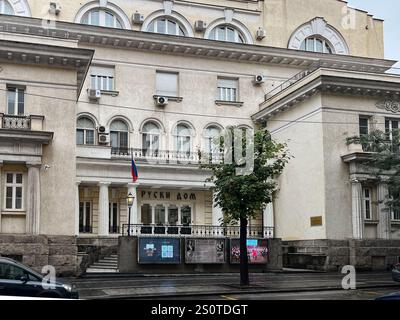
(5, 7)
(212, 139)
(391, 125)
(102, 18)
(119, 135)
(151, 136)
(14, 191)
(183, 138)
(102, 78)
(85, 129)
(167, 26)
(228, 89)
(167, 84)
(226, 33)
(315, 44)
(15, 101)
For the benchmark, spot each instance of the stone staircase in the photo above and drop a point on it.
(106, 265)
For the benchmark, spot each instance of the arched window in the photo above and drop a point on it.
(85, 128)
(5, 7)
(212, 139)
(315, 44)
(151, 139)
(183, 138)
(226, 33)
(102, 18)
(167, 26)
(119, 137)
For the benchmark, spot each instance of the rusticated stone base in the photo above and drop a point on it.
(332, 255)
(39, 251)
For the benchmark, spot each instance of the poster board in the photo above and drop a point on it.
(155, 250)
(257, 251)
(205, 251)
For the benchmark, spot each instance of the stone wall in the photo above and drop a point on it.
(39, 251)
(332, 255)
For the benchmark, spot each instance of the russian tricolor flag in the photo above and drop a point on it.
(134, 171)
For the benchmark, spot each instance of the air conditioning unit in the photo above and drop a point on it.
(258, 79)
(161, 101)
(200, 25)
(137, 18)
(94, 94)
(261, 34)
(55, 8)
(103, 130)
(104, 138)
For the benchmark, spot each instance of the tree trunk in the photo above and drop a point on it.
(244, 261)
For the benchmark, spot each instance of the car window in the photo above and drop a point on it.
(32, 277)
(10, 272)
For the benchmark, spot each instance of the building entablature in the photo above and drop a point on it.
(47, 55)
(176, 45)
(353, 83)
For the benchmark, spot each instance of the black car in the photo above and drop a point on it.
(19, 280)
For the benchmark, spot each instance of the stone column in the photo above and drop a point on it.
(1, 192)
(77, 208)
(103, 228)
(357, 216)
(217, 214)
(179, 216)
(33, 199)
(268, 220)
(132, 188)
(383, 214)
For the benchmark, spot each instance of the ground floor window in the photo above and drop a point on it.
(14, 191)
(166, 214)
(113, 221)
(396, 215)
(367, 195)
(85, 217)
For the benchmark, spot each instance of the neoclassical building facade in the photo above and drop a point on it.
(164, 79)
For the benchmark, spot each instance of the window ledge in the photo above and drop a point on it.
(13, 213)
(170, 98)
(395, 222)
(110, 93)
(229, 103)
(371, 222)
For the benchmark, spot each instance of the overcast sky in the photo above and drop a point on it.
(389, 10)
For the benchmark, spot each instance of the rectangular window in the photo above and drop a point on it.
(227, 89)
(390, 126)
(85, 217)
(113, 221)
(146, 214)
(102, 78)
(167, 84)
(15, 101)
(364, 125)
(159, 214)
(14, 191)
(367, 200)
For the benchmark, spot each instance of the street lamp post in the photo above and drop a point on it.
(130, 200)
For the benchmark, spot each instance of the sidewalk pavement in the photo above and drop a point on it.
(146, 286)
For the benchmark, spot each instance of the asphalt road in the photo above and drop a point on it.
(225, 286)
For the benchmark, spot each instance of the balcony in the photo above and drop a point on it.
(13, 122)
(198, 231)
(166, 156)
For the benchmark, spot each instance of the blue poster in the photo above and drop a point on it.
(159, 250)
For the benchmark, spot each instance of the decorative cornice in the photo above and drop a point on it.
(168, 44)
(42, 137)
(53, 56)
(333, 81)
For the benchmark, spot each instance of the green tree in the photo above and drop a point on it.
(383, 161)
(242, 188)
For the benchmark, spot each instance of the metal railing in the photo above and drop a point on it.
(166, 156)
(291, 81)
(201, 231)
(16, 122)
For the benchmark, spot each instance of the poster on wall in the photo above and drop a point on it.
(257, 251)
(159, 250)
(205, 251)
